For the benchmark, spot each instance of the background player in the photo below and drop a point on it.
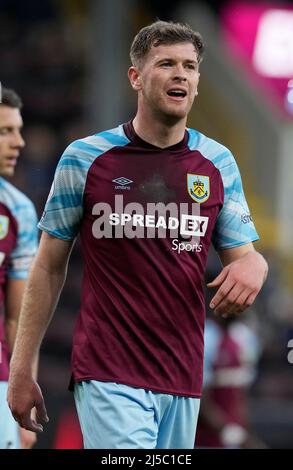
(138, 346)
(231, 355)
(18, 244)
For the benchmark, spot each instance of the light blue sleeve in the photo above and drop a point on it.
(234, 225)
(27, 241)
(64, 208)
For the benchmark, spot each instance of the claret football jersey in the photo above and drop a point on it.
(146, 218)
(18, 245)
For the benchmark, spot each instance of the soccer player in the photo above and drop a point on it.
(18, 244)
(231, 354)
(147, 198)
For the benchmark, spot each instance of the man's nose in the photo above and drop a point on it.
(180, 73)
(18, 140)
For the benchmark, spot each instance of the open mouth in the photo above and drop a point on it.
(177, 93)
(11, 161)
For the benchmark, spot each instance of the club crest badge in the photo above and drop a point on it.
(198, 187)
(4, 224)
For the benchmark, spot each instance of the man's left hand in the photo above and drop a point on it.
(238, 284)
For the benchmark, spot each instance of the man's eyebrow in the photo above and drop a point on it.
(170, 59)
(191, 61)
(9, 126)
(164, 59)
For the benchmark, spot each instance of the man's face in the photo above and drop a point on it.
(11, 140)
(168, 80)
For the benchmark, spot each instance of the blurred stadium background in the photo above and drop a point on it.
(68, 60)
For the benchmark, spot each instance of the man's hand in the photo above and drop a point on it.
(238, 284)
(23, 395)
(27, 438)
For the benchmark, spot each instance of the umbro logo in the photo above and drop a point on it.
(122, 182)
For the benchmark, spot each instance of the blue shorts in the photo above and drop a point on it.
(9, 431)
(116, 416)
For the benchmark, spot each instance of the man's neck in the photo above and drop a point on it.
(158, 133)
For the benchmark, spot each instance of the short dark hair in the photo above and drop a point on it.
(10, 98)
(164, 32)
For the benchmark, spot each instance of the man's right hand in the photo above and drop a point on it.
(23, 395)
(27, 438)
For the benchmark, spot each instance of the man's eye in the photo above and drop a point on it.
(166, 64)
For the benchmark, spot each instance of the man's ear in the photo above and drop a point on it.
(134, 78)
(196, 93)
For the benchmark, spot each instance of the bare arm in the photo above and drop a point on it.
(40, 299)
(13, 298)
(14, 294)
(245, 270)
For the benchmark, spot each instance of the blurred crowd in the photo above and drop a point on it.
(43, 47)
